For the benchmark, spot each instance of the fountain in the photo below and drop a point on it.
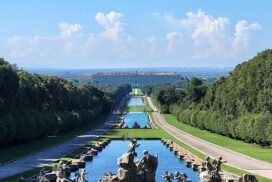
(143, 170)
(131, 168)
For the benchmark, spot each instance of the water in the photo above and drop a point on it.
(135, 101)
(107, 160)
(139, 117)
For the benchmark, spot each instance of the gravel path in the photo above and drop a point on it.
(53, 153)
(234, 159)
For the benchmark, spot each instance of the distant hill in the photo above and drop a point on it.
(184, 71)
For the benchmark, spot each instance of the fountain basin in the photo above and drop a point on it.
(107, 160)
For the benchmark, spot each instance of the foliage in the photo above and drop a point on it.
(238, 106)
(34, 106)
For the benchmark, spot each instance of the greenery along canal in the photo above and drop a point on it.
(152, 145)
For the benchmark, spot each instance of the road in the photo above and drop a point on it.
(53, 153)
(234, 159)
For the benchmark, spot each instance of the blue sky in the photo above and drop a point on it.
(138, 33)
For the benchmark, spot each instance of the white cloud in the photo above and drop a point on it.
(174, 39)
(241, 34)
(27, 47)
(67, 30)
(112, 23)
(210, 36)
(208, 33)
(197, 35)
(22, 47)
(72, 41)
(91, 40)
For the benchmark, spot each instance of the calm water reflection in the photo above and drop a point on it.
(107, 160)
(139, 117)
(135, 101)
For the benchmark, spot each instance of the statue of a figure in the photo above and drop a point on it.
(80, 176)
(136, 125)
(148, 166)
(209, 166)
(129, 170)
(181, 177)
(132, 146)
(109, 176)
(60, 169)
(218, 165)
(213, 170)
(168, 176)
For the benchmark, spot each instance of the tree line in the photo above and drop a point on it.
(238, 106)
(33, 106)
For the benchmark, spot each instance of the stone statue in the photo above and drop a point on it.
(181, 177)
(136, 125)
(57, 174)
(147, 166)
(80, 176)
(60, 169)
(218, 165)
(213, 170)
(168, 176)
(208, 165)
(132, 146)
(129, 170)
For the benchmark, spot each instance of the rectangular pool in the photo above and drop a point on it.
(141, 118)
(135, 101)
(107, 160)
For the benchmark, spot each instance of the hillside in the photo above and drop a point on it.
(239, 105)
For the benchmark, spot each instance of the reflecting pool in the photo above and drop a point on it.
(140, 118)
(107, 160)
(135, 101)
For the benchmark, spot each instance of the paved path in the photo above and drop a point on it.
(53, 153)
(233, 158)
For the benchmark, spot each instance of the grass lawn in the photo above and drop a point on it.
(136, 92)
(139, 109)
(12, 153)
(251, 150)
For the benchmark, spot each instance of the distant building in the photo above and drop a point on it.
(136, 79)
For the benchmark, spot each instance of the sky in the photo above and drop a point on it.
(133, 33)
